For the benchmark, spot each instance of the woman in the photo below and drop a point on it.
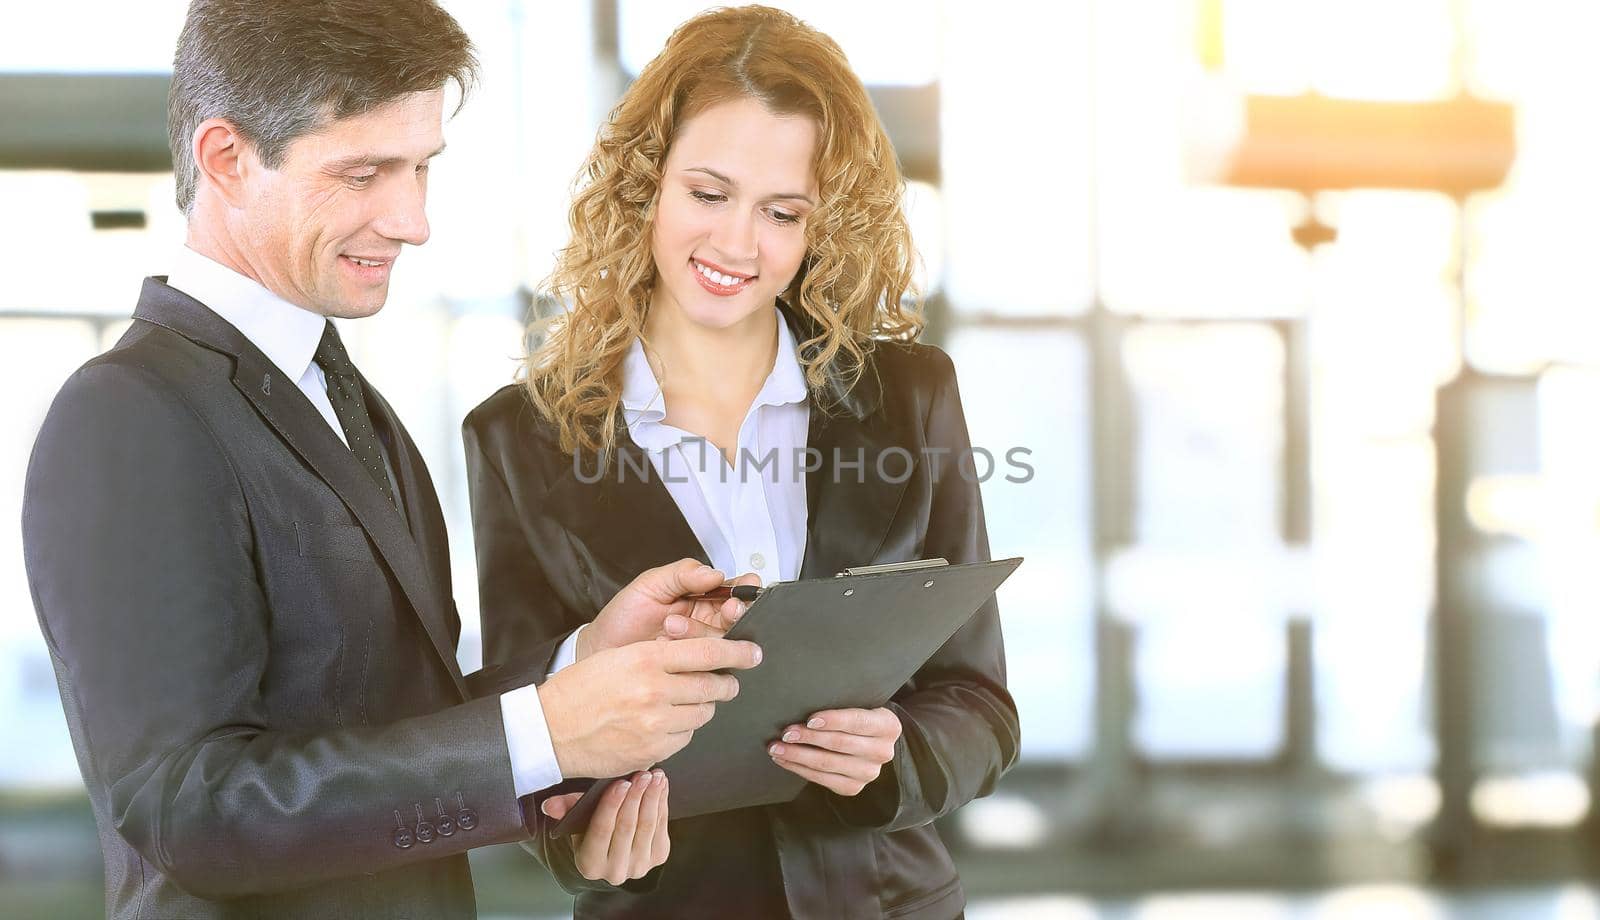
(734, 381)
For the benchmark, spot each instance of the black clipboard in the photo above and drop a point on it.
(850, 641)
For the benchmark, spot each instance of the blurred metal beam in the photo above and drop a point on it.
(1296, 497)
(1300, 702)
(1113, 777)
(84, 122)
(1452, 622)
(910, 116)
(607, 43)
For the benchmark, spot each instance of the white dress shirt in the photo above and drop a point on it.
(749, 516)
(288, 336)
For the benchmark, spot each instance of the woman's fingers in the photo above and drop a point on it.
(627, 836)
(619, 856)
(557, 806)
(816, 758)
(843, 785)
(592, 847)
(878, 749)
(661, 845)
(877, 723)
(650, 816)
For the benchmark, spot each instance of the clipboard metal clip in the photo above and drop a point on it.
(893, 567)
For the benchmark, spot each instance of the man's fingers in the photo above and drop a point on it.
(678, 626)
(707, 654)
(557, 806)
(689, 717)
(695, 687)
(718, 615)
(667, 583)
(677, 741)
(722, 616)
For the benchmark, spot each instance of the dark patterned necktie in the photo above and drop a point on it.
(344, 391)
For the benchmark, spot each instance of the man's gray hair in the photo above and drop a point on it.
(280, 69)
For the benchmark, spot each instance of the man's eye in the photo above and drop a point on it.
(362, 181)
(708, 197)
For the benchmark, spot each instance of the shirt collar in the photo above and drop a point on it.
(288, 335)
(787, 382)
(644, 407)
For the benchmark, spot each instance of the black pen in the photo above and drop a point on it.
(746, 593)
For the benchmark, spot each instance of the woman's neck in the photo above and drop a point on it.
(695, 361)
(710, 377)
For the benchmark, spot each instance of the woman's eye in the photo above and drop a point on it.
(708, 197)
(784, 217)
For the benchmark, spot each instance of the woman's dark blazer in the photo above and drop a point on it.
(552, 550)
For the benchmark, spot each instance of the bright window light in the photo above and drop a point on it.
(1531, 800)
(91, 36)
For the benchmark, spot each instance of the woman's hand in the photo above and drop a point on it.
(627, 835)
(840, 749)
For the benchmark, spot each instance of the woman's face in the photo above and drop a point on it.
(729, 230)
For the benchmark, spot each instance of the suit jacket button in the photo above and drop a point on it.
(424, 832)
(466, 819)
(445, 826)
(402, 838)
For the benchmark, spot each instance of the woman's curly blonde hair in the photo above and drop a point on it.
(857, 273)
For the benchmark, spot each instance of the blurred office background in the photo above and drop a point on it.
(1292, 301)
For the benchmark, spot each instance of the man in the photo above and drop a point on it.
(237, 555)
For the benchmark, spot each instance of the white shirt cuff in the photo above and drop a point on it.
(533, 754)
(568, 652)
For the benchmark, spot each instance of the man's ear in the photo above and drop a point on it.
(221, 155)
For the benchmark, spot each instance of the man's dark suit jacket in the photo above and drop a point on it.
(255, 649)
(552, 549)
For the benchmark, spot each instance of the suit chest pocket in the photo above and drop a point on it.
(332, 541)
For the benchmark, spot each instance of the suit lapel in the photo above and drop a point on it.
(427, 531)
(626, 518)
(287, 411)
(851, 498)
(421, 500)
(850, 503)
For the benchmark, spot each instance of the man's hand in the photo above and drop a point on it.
(630, 708)
(708, 618)
(653, 605)
(627, 834)
(840, 749)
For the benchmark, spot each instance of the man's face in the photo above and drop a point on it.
(323, 230)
